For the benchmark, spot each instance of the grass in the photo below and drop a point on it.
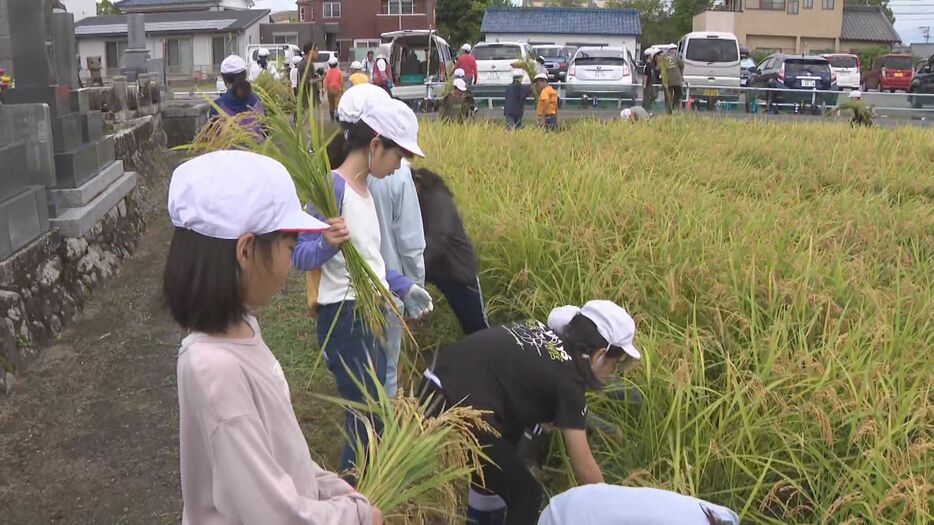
(782, 280)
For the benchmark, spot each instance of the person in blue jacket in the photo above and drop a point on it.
(375, 145)
(239, 96)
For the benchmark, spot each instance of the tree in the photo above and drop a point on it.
(884, 4)
(655, 17)
(683, 16)
(106, 7)
(459, 20)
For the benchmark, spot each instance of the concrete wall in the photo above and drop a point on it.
(811, 29)
(630, 42)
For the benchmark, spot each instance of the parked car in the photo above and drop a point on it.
(711, 58)
(922, 83)
(798, 76)
(846, 67)
(424, 76)
(557, 59)
(321, 60)
(495, 60)
(604, 71)
(890, 72)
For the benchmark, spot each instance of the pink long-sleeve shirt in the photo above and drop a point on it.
(243, 456)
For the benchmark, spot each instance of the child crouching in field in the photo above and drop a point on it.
(243, 456)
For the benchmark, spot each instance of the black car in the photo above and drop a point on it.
(556, 59)
(922, 83)
(797, 76)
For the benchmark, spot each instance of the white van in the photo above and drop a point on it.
(495, 59)
(420, 60)
(710, 59)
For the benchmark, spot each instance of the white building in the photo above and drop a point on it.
(192, 43)
(81, 8)
(563, 26)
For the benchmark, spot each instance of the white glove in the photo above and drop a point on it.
(417, 302)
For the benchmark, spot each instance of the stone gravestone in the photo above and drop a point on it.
(6, 43)
(133, 61)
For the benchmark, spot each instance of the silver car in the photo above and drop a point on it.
(606, 71)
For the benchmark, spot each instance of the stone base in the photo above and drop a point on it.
(76, 167)
(23, 217)
(63, 198)
(66, 132)
(76, 222)
(13, 180)
(92, 126)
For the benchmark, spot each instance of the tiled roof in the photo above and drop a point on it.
(867, 23)
(561, 20)
(178, 22)
(151, 3)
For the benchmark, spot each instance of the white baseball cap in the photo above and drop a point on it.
(263, 52)
(233, 64)
(356, 64)
(353, 101)
(518, 73)
(560, 317)
(459, 73)
(394, 120)
(296, 60)
(855, 94)
(466, 47)
(541, 76)
(332, 61)
(625, 114)
(650, 51)
(460, 84)
(225, 194)
(614, 323)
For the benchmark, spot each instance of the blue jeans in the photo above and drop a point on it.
(513, 122)
(551, 122)
(349, 351)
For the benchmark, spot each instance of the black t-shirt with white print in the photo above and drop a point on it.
(520, 372)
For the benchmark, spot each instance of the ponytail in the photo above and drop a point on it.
(353, 136)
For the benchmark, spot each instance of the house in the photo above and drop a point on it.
(192, 43)
(348, 24)
(919, 50)
(156, 6)
(799, 26)
(563, 26)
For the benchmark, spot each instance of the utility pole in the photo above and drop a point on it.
(926, 31)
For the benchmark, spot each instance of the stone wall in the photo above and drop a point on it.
(44, 285)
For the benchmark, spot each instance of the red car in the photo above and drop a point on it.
(889, 73)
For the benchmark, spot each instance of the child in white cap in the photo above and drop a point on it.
(528, 374)
(357, 76)
(294, 73)
(381, 133)
(239, 96)
(262, 64)
(333, 85)
(458, 105)
(243, 456)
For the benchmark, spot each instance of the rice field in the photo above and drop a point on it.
(782, 280)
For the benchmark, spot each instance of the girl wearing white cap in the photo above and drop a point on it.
(382, 74)
(334, 85)
(527, 374)
(243, 456)
(239, 96)
(385, 131)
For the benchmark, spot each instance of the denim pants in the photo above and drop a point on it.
(467, 302)
(349, 351)
(513, 122)
(551, 122)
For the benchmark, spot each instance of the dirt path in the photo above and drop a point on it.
(91, 429)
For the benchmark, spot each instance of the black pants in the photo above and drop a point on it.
(508, 476)
(467, 303)
(673, 96)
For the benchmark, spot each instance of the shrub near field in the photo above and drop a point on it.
(782, 280)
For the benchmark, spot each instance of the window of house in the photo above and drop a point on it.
(113, 50)
(399, 7)
(809, 4)
(285, 38)
(827, 4)
(331, 10)
(178, 55)
(218, 49)
(366, 43)
(772, 5)
(792, 7)
(301, 14)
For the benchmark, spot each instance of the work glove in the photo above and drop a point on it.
(417, 302)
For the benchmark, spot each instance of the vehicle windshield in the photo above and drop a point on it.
(712, 50)
(842, 61)
(803, 67)
(323, 56)
(497, 52)
(551, 52)
(747, 63)
(897, 62)
(600, 57)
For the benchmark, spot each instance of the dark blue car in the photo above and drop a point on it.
(797, 76)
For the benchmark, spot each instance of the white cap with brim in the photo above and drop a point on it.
(232, 65)
(625, 114)
(296, 60)
(394, 120)
(614, 323)
(353, 101)
(356, 65)
(460, 84)
(459, 73)
(541, 76)
(466, 47)
(263, 52)
(650, 51)
(226, 194)
(560, 317)
(332, 61)
(855, 94)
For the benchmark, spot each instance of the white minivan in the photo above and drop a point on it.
(419, 59)
(710, 59)
(495, 59)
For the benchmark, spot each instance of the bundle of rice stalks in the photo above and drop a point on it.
(293, 135)
(414, 467)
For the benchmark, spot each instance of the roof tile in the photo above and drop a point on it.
(563, 20)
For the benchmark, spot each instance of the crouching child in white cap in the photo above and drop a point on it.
(458, 105)
(373, 145)
(528, 374)
(243, 456)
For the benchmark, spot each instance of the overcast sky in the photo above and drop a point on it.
(910, 16)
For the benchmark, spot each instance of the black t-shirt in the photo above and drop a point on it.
(520, 372)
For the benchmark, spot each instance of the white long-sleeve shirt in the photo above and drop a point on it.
(244, 459)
